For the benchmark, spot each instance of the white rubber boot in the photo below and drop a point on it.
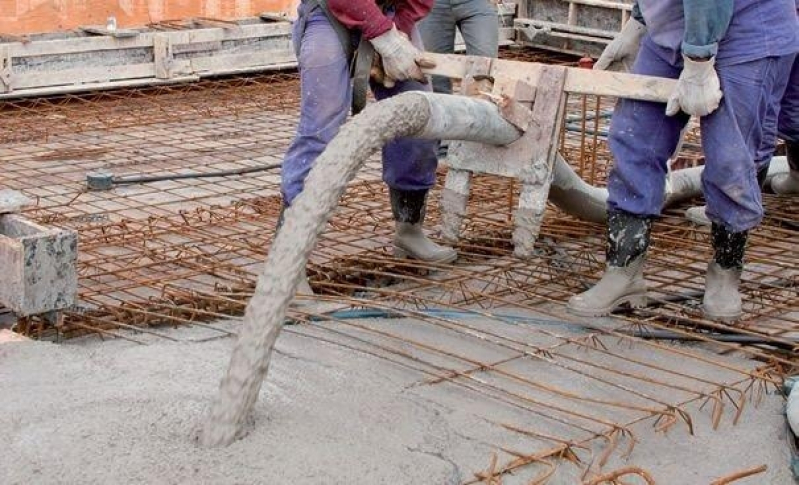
(788, 184)
(619, 285)
(410, 241)
(722, 300)
(623, 280)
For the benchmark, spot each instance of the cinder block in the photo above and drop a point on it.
(12, 201)
(38, 270)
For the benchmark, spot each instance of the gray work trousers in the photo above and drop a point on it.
(479, 25)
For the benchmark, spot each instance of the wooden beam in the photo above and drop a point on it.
(6, 68)
(578, 80)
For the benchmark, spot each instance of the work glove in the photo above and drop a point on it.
(620, 54)
(698, 91)
(401, 59)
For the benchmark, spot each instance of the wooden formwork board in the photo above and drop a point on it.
(70, 63)
(578, 80)
(574, 26)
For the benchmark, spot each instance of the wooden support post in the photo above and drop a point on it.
(5, 69)
(536, 177)
(455, 196)
(163, 55)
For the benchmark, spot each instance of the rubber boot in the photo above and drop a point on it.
(623, 280)
(303, 287)
(408, 207)
(788, 184)
(697, 213)
(722, 300)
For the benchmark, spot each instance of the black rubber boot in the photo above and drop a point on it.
(722, 300)
(788, 184)
(408, 207)
(623, 282)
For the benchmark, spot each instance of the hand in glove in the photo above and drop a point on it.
(698, 90)
(620, 54)
(401, 59)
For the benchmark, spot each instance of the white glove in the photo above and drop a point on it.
(620, 54)
(401, 59)
(698, 91)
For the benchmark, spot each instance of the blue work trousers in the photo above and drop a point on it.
(789, 110)
(326, 96)
(479, 25)
(642, 138)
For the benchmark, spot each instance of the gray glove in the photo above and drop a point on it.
(401, 59)
(620, 54)
(698, 90)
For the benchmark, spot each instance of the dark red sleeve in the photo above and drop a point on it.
(363, 15)
(411, 11)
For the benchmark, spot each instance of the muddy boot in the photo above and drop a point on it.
(303, 287)
(788, 184)
(623, 281)
(408, 207)
(722, 300)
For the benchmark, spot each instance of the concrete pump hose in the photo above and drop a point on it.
(406, 115)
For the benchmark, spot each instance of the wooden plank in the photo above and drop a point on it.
(163, 56)
(145, 39)
(128, 83)
(83, 75)
(578, 80)
(223, 64)
(6, 68)
(542, 138)
(117, 33)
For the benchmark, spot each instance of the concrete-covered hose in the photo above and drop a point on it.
(574, 196)
(417, 114)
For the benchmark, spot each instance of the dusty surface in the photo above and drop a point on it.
(117, 412)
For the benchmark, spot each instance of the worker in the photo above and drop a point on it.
(478, 23)
(731, 58)
(325, 35)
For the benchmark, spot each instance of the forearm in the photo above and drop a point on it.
(706, 23)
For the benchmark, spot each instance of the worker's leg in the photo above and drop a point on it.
(324, 103)
(325, 97)
(732, 137)
(409, 170)
(479, 26)
(437, 30)
(641, 138)
(789, 131)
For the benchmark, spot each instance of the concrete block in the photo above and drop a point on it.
(38, 271)
(12, 201)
